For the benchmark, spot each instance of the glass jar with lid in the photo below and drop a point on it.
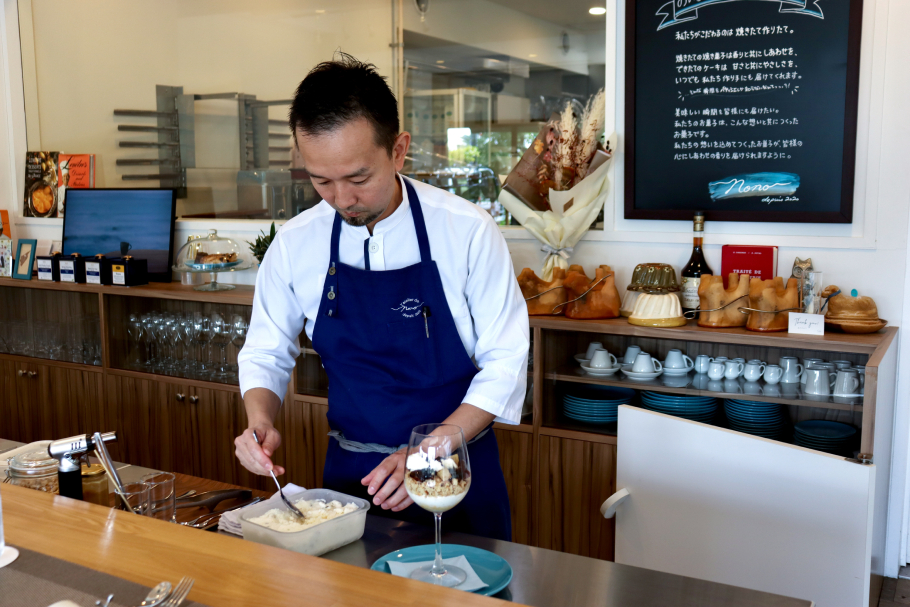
(35, 470)
(95, 485)
(213, 253)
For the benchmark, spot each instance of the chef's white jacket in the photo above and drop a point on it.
(477, 277)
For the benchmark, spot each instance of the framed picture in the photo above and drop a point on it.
(25, 258)
(744, 110)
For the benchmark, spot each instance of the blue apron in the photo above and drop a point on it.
(394, 358)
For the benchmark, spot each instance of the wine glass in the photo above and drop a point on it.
(221, 336)
(136, 333)
(202, 326)
(438, 478)
(240, 325)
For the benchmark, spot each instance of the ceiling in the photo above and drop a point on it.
(568, 13)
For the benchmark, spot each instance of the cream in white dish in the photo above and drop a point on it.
(314, 512)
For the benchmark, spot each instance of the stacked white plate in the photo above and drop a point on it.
(756, 418)
(595, 404)
(696, 408)
(823, 435)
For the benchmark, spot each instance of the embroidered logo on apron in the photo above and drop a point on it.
(409, 308)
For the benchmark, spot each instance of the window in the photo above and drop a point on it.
(194, 95)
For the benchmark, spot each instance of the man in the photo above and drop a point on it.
(409, 296)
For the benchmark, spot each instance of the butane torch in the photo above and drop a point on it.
(69, 453)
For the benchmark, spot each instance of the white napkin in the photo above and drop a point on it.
(471, 583)
(230, 521)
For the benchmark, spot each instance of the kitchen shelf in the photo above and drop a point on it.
(577, 375)
(832, 342)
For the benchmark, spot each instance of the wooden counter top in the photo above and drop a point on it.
(228, 571)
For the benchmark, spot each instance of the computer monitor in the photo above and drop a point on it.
(112, 221)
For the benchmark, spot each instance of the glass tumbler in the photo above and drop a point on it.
(137, 496)
(161, 497)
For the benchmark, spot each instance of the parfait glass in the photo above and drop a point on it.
(438, 477)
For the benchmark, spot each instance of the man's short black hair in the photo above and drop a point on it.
(336, 92)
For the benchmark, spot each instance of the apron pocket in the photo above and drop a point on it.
(412, 352)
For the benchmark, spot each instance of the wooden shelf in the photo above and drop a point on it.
(575, 374)
(241, 295)
(49, 361)
(174, 379)
(834, 342)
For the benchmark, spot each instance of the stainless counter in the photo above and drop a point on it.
(549, 578)
(544, 577)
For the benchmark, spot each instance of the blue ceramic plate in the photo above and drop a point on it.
(595, 401)
(679, 404)
(594, 412)
(688, 410)
(818, 428)
(491, 568)
(755, 412)
(752, 416)
(646, 394)
(582, 401)
(680, 401)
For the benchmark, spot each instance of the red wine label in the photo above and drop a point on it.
(690, 292)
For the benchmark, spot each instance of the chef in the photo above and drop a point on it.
(409, 296)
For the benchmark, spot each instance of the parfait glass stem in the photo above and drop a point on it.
(438, 569)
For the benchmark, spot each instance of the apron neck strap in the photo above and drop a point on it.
(420, 227)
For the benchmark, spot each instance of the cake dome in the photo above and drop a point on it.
(657, 310)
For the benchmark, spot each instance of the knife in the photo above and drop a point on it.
(211, 499)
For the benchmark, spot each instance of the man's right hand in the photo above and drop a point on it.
(256, 458)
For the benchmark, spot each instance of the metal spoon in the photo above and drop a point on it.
(156, 595)
(189, 493)
(106, 603)
(286, 501)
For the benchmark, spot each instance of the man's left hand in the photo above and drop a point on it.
(391, 495)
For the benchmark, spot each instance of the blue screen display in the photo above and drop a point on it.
(113, 221)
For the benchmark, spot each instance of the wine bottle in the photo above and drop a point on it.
(697, 266)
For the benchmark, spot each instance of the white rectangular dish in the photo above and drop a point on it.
(317, 539)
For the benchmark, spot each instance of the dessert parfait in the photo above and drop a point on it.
(435, 483)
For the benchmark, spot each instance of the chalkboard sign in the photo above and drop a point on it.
(745, 109)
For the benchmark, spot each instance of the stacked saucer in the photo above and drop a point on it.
(823, 435)
(759, 419)
(595, 404)
(696, 408)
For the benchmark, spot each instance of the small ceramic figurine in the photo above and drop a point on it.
(801, 267)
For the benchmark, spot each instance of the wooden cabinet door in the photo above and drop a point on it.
(216, 418)
(10, 414)
(30, 416)
(297, 443)
(319, 422)
(70, 401)
(149, 421)
(515, 456)
(575, 479)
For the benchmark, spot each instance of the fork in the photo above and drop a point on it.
(180, 592)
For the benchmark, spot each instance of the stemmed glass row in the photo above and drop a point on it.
(75, 340)
(181, 344)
